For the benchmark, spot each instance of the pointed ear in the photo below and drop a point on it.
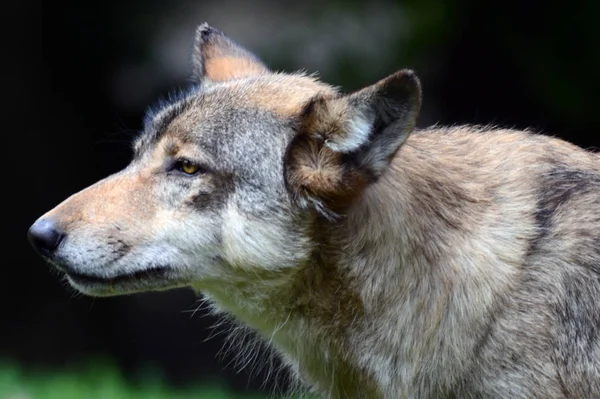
(344, 143)
(217, 58)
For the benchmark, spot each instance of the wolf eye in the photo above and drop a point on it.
(188, 167)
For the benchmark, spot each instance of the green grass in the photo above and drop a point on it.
(100, 380)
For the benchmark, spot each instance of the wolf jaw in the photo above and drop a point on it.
(457, 262)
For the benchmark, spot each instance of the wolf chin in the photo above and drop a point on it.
(377, 261)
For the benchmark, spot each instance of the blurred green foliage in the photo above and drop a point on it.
(99, 380)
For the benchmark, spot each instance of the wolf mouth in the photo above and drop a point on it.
(142, 275)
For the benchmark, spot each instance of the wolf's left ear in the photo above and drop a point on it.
(346, 142)
(217, 58)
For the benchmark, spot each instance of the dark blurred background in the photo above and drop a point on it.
(73, 107)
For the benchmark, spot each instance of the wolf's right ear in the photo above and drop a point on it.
(344, 143)
(217, 58)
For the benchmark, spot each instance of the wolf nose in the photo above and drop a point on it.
(45, 236)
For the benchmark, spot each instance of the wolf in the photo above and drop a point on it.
(376, 259)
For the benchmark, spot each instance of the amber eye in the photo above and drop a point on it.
(187, 167)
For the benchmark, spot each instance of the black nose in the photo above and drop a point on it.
(45, 236)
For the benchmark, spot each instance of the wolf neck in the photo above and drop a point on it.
(381, 282)
(308, 317)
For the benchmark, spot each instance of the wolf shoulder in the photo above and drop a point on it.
(539, 198)
(548, 185)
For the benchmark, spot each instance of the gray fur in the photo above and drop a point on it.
(448, 263)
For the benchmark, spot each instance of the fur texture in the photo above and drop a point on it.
(457, 262)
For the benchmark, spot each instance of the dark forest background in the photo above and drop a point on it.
(79, 75)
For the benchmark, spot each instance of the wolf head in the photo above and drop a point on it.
(228, 179)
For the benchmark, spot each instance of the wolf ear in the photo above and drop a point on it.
(217, 58)
(344, 143)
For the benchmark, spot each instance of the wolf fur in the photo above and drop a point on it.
(449, 262)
